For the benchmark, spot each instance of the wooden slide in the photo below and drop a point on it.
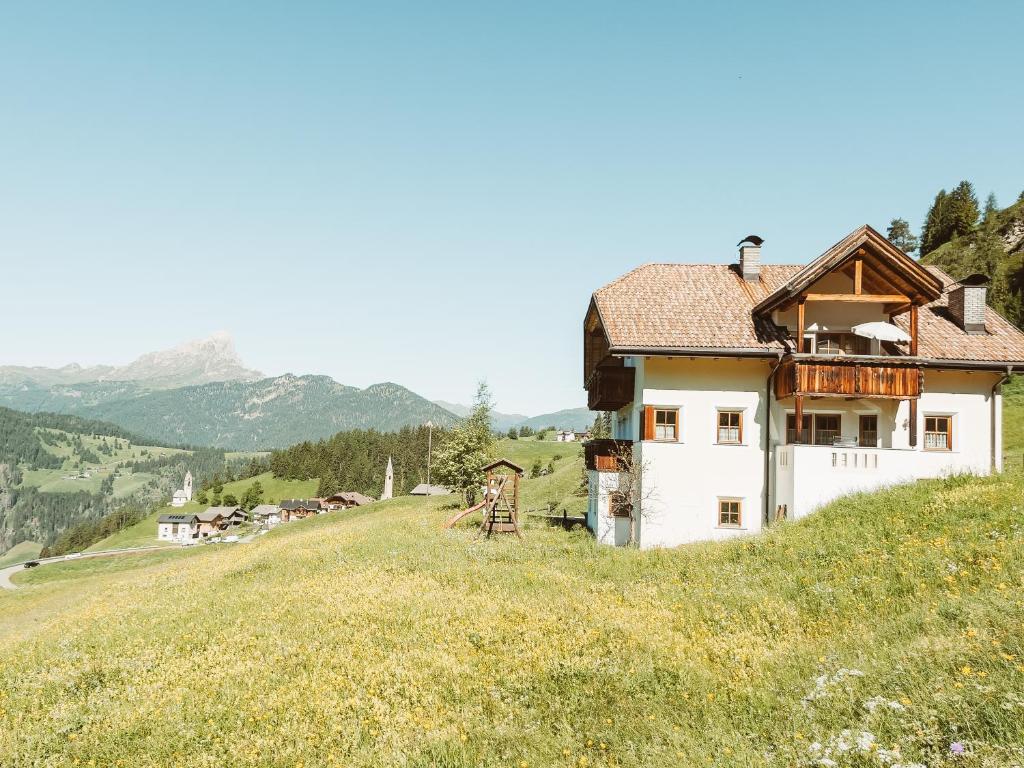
(464, 513)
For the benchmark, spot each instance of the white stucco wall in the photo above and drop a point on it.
(684, 480)
(807, 476)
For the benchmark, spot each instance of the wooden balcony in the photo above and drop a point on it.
(854, 376)
(610, 388)
(604, 455)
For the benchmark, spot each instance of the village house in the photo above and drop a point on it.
(565, 436)
(752, 392)
(180, 528)
(268, 515)
(429, 490)
(346, 500)
(216, 519)
(299, 509)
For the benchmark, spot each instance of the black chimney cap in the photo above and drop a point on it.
(752, 239)
(976, 279)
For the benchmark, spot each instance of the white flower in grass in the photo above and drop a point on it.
(880, 701)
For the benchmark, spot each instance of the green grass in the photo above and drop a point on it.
(143, 533)
(376, 638)
(274, 488)
(25, 550)
(76, 570)
(54, 480)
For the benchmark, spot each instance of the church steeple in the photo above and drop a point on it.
(389, 482)
(188, 486)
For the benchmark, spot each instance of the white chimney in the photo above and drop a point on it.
(967, 303)
(750, 257)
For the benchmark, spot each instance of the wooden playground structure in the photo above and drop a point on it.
(501, 500)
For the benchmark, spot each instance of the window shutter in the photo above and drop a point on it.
(648, 422)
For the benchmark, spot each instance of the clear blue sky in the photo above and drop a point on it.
(378, 190)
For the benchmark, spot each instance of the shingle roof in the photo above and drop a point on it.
(429, 490)
(673, 306)
(352, 497)
(261, 510)
(211, 513)
(291, 504)
(710, 307)
(175, 518)
(940, 337)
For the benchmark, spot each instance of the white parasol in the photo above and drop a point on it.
(882, 331)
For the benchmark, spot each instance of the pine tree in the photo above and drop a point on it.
(936, 230)
(988, 217)
(899, 234)
(963, 209)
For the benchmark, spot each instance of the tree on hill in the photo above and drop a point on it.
(936, 230)
(988, 216)
(230, 500)
(601, 429)
(963, 209)
(899, 234)
(253, 496)
(513, 434)
(467, 448)
(203, 497)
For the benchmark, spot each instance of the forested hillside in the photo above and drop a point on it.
(61, 472)
(356, 460)
(964, 238)
(247, 415)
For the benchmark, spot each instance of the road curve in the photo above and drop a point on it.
(6, 573)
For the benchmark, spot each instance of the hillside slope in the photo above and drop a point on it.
(879, 631)
(268, 413)
(995, 249)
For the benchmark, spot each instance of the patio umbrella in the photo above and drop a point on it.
(882, 331)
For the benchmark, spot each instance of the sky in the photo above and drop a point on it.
(428, 193)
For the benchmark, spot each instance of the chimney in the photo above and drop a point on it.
(750, 257)
(967, 303)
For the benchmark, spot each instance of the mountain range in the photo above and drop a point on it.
(200, 393)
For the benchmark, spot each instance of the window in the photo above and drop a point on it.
(842, 344)
(666, 424)
(868, 434)
(818, 428)
(938, 433)
(791, 428)
(730, 427)
(729, 513)
(826, 428)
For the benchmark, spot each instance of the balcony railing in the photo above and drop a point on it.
(610, 388)
(884, 377)
(606, 455)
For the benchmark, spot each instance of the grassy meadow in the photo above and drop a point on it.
(65, 479)
(143, 533)
(25, 550)
(877, 632)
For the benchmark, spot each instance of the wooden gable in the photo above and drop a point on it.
(878, 272)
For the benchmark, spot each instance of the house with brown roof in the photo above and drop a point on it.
(744, 393)
(346, 500)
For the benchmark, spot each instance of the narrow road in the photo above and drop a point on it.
(6, 573)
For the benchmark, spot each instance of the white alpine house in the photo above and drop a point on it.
(751, 392)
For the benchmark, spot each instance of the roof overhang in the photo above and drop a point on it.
(891, 264)
(766, 354)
